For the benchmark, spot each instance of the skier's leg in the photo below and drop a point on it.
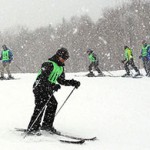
(134, 67)
(126, 67)
(49, 114)
(91, 74)
(40, 102)
(2, 70)
(148, 68)
(98, 69)
(145, 64)
(90, 67)
(8, 69)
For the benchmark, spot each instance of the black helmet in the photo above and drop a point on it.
(63, 53)
(126, 47)
(89, 51)
(144, 42)
(4, 47)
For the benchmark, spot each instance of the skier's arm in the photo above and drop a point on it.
(45, 72)
(1, 56)
(95, 57)
(148, 49)
(61, 80)
(10, 56)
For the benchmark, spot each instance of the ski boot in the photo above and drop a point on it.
(91, 74)
(101, 75)
(34, 132)
(126, 75)
(51, 130)
(10, 77)
(148, 74)
(137, 74)
(2, 78)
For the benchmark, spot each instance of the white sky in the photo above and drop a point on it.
(36, 13)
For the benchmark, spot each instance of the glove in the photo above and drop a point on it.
(56, 87)
(140, 57)
(75, 83)
(123, 61)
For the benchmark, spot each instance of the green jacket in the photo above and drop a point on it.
(55, 73)
(92, 57)
(128, 54)
(144, 50)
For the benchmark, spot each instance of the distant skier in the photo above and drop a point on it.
(148, 62)
(6, 57)
(94, 62)
(144, 55)
(49, 79)
(129, 61)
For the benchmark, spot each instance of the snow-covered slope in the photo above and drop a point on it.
(116, 110)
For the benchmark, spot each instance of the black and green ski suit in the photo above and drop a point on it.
(129, 61)
(94, 62)
(51, 73)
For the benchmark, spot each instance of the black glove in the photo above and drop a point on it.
(75, 83)
(123, 61)
(56, 87)
(140, 57)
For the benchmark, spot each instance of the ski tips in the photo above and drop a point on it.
(73, 142)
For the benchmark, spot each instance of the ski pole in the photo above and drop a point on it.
(64, 102)
(19, 68)
(109, 73)
(38, 115)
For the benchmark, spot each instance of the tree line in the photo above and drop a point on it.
(127, 24)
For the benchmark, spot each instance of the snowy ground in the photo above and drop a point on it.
(116, 110)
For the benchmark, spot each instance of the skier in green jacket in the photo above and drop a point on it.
(6, 57)
(94, 62)
(145, 51)
(50, 77)
(129, 61)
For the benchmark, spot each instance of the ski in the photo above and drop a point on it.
(21, 129)
(73, 141)
(97, 76)
(135, 77)
(64, 135)
(4, 79)
(76, 138)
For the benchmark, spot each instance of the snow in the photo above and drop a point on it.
(116, 110)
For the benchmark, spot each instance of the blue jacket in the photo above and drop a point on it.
(148, 53)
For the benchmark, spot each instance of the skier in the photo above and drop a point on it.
(6, 57)
(94, 62)
(148, 62)
(49, 79)
(129, 61)
(144, 55)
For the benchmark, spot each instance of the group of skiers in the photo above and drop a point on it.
(51, 75)
(127, 61)
(6, 57)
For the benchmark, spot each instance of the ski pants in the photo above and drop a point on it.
(148, 68)
(130, 62)
(47, 114)
(95, 66)
(5, 65)
(145, 63)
